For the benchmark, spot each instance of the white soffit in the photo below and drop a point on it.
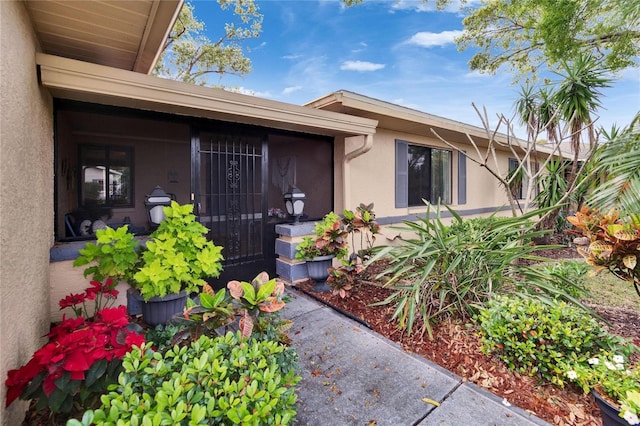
(125, 34)
(76, 80)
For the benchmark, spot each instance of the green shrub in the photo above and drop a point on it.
(572, 271)
(221, 381)
(449, 270)
(532, 337)
(177, 256)
(163, 336)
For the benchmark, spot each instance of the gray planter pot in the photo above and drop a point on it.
(317, 269)
(159, 310)
(134, 302)
(610, 414)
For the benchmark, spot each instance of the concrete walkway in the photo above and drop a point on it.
(353, 376)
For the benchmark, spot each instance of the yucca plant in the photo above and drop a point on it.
(450, 270)
(553, 187)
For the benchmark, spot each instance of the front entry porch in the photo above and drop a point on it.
(108, 159)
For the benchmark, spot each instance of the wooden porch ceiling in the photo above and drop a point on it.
(121, 34)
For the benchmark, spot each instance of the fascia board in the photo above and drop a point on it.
(84, 81)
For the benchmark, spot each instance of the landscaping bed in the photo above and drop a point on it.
(457, 348)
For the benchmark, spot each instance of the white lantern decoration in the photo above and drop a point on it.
(294, 202)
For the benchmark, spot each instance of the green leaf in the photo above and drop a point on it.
(207, 301)
(96, 371)
(249, 293)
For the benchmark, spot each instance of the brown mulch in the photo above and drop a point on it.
(457, 348)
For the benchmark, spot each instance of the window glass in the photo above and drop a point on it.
(429, 175)
(516, 179)
(106, 176)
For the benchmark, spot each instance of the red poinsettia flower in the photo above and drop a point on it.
(108, 289)
(49, 385)
(72, 300)
(68, 325)
(76, 344)
(134, 339)
(114, 317)
(77, 361)
(17, 380)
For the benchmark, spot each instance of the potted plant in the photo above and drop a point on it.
(329, 241)
(114, 255)
(80, 359)
(176, 259)
(361, 222)
(615, 387)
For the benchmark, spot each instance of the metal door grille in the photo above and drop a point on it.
(231, 195)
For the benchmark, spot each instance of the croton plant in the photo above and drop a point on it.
(614, 244)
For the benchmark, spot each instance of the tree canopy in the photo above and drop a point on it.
(190, 56)
(529, 36)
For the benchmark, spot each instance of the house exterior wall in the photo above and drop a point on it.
(26, 191)
(67, 279)
(372, 179)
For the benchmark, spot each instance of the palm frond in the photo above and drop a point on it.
(619, 162)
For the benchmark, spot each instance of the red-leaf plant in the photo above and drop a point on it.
(260, 295)
(82, 356)
(614, 244)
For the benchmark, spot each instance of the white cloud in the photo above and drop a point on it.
(360, 66)
(245, 91)
(362, 47)
(428, 39)
(292, 57)
(289, 90)
(454, 6)
(413, 5)
(476, 74)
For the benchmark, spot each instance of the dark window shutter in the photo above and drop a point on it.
(402, 174)
(462, 178)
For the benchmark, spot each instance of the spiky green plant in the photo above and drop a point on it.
(450, 270)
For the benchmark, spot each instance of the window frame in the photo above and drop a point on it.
(108, 149)
(402, 174)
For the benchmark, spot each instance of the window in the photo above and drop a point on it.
(422, 173)
(106, 176)
(515, 182)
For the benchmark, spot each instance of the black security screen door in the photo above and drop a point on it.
(229, 188)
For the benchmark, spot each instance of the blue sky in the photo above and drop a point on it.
(396, 51)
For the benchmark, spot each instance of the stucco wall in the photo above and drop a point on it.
(26, 194)
(67, 279)
(372, 178)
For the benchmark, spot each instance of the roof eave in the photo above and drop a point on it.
(76, 80)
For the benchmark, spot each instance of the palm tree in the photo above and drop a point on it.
(618, 161)
(548, 115)
(527, 110)
(577, 98)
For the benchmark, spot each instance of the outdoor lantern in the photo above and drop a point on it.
(155, 203)
(294, 202)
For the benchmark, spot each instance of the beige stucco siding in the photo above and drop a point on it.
(67, 279)
(26, 191)
(372, 177)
